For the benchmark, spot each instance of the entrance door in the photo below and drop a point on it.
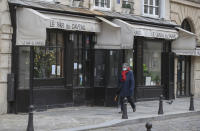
(183, 76)
(106, 73)
(99, 77)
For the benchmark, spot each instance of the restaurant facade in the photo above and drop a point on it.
(77, 56)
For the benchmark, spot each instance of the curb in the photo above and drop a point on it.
(121, 122)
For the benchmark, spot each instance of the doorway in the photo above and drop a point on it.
(183, 76)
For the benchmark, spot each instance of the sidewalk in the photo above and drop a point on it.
(85, 118)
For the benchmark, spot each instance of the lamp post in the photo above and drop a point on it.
(30, 126)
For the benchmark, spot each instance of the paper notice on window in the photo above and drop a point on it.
(75, 66)
(148, 81)
(53, 69)
(58, 70)
(80, 66)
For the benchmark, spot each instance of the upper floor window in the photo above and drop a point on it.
(186, 25)
(102, 4)
(151, 8)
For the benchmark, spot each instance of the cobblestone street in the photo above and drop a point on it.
(191, 123)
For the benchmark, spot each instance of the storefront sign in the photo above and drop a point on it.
(73, 25)
(155, 33)
(31, 42)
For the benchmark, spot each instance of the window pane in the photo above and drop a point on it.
(108, 3)
(129, 57)
(75, 48)
(145, 9)
(152, 63)
(146, 2)
(52, 39)
(151, 2)
(113, 68)
(156, 11)
(150, 10)
(157, 3)
(96, 2)
(60, 62)
(60, 39)
(87, 42)
(102, 3)
(45, 62)
(24, 64)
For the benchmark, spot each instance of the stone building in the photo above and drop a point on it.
(5, 52)
(186, 13)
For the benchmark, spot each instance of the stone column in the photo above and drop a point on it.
(175, 76)
(5, 52)
(196, 88)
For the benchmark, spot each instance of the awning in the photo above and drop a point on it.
(109, 37)
(185, 41)
(147, 31)
(32, 25)
(194, 52)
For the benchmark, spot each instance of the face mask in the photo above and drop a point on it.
(124, 69)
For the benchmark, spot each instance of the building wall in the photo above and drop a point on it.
(5, 52)
(180, 10)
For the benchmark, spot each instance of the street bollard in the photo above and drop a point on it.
(191, 102)
(30, 119)
(160, 110)
(148, 126)
(124, 111)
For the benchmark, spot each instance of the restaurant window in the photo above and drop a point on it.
(152, 63)
(102, 4)
(151, 7)
(49, 60)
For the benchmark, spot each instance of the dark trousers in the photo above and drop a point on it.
(130, 100)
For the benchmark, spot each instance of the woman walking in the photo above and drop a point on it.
(126, 85)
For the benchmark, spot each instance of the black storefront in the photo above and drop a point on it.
(70, 71)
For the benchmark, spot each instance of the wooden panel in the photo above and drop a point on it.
(79, 96)
(89, 96)
(110, 95)
(99, 96)
(22, 101)
(52, 97)
(149, 92)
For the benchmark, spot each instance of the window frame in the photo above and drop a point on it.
(105, 8)
(154, 9)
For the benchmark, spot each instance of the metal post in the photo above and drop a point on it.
(160, 110)
(148, 126)
(124, 112)
(191, 102)
(30, 126)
